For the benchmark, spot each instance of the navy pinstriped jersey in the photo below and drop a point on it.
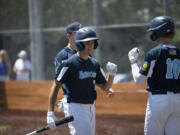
(64, 54)
(79, 77)
(162, 67)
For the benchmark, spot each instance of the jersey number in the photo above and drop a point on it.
(173, 68)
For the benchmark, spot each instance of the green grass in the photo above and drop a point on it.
(3, 127)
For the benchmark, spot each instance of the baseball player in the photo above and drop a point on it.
(66, 53)
(79, 74)
(70, 49)
(161, 70)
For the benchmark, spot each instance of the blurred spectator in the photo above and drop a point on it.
(22, 67)
(5, 66)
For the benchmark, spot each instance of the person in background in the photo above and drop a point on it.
(22, 67)
(5, 66)
(66, 53)
(70, 48)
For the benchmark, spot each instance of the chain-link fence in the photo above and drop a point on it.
(122, 26)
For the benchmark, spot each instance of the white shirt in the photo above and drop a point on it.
(21, 65)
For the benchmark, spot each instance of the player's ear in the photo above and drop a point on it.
(68, 35)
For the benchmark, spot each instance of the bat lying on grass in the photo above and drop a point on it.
(60, 122)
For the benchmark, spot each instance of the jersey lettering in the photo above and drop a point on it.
(83, 75)
(173, 68)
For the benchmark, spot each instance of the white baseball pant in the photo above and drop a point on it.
(163, 114)
(84, 117)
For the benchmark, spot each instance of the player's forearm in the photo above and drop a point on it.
(138, 78)
(53, 96)
(108, 84)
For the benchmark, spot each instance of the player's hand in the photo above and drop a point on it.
(111, 68)
(110, 93)
(133, 55)
(51, 119)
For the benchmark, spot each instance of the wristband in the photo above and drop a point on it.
(132, 62)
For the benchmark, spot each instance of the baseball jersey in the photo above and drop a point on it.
(79, 77)
(162, 68)
(64, 54)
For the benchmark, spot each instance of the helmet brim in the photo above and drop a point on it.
(87, 39)
(149, 30)
(156, 28)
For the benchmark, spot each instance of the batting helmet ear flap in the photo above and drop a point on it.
(154, 36)
(79, 45)
(95, 44)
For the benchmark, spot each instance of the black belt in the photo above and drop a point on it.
(163, 92)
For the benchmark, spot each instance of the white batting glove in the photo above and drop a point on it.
(133, 55)
(111, 68)
(51, 119)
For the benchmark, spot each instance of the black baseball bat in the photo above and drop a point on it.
(59, 122)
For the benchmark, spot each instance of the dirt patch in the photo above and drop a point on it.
(22, 122)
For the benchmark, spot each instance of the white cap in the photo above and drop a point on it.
(22, 54)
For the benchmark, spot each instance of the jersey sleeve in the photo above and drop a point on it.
(146, 65)
(57, 61)
(100, 78)
(62, 73)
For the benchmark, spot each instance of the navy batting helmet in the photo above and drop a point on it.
(161, 26)
(83, 35)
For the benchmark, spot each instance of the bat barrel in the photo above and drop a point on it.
(65, 120)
